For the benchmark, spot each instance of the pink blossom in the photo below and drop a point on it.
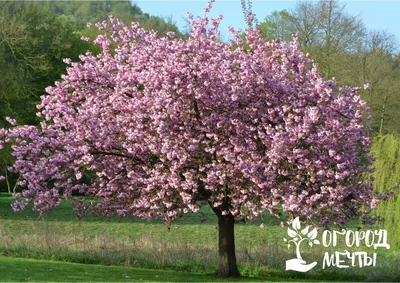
(207, 8)
(12, 121)
(168, 126)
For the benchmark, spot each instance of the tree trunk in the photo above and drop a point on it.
(227, 258)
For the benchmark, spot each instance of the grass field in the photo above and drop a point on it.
(22, 270)
(189, 247)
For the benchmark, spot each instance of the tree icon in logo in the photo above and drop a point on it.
(297, 237)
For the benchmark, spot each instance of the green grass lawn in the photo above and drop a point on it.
(189, 247)
(23, 270)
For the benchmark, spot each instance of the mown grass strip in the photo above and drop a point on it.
(30, 270)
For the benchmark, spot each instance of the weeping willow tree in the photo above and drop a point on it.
(386, 150)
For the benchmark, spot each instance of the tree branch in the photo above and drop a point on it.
(138, 160)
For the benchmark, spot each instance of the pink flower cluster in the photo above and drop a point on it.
(168, 125)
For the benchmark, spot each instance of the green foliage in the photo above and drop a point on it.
(20, 270)
(277, 25)
(32, 46)
(386, 150)
(82, 12)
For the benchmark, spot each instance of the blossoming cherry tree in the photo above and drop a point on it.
(168, 125)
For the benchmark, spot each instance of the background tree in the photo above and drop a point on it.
(97, 11)
(304, 21)
(278, 25)
(167, 126)
(381, 70)
(339, 32)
